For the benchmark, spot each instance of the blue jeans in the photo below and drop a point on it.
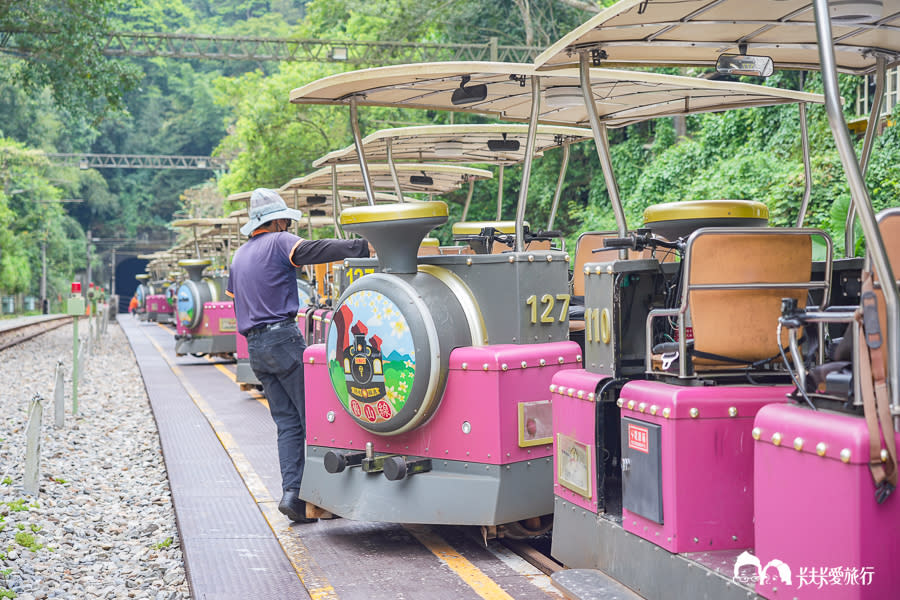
(276, 357)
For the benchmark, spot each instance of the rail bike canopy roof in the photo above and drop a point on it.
(424, 178)
(317, 220)
(621, 97)
(494, 143)
(695, 32)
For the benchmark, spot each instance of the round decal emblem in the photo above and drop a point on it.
(371, 357)
(187, 307)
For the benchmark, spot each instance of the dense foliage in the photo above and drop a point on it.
(59, 93)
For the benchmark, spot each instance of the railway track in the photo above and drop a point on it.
(19, 331)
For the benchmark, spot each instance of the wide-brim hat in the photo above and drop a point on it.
(267, 205)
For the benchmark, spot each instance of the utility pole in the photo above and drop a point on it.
(44, 307)
(89, 278)
(112, 286)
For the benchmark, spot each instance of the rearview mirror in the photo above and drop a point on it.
(745, 64)
(468, 95)
(421, 180)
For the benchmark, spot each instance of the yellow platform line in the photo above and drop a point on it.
(474, 577)
(300, 557)
(306, 568)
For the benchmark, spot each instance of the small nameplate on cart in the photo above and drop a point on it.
(535, 423)
(573, 465)
(227, 324)
(638, 438)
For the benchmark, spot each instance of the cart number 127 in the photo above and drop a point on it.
(547, 303)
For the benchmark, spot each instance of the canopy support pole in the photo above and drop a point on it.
(859, 196)
(807, 169)
(335, 204)
(559, 184)
(500, 193)
(357, 141)
(529, 159)
(468, 200)
(871, 126)
(601, 141)
(394, 178)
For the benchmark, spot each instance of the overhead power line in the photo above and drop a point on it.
(139, 161)
(238, 48)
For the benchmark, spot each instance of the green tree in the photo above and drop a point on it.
(59, 45)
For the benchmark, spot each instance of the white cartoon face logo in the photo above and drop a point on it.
(781, 570)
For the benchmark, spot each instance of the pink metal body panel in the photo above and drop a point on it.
(241, 351)
(218, 319)
(575, 415)
(303, 324)
(321, 319)
(157, 304)
(814, 512)
(706, 462)
(487, 399)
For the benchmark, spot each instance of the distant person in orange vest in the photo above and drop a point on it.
(133, 304)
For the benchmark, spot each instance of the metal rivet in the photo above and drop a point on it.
(571, 392)
(756, 433)
(609, 269)
(845, 455)
(468, 262)
(631, 405)
(776, 438)
(591, 396)
(580, 394)
(485, 366)
(653, 409)
(466, 428)
(666, 413)
(549, 258)
(552, 387)
(694, 412)
(543, 363)
(531, 258)
(464, 366)
(505, 367)
(598, 270)
(696, 540)
(732, 411)
(329, 416)
(512, 260)
(578, 358)
(312, 359)
(620, 402)
(798, 443)
(884, 455)
(524, 364)
(642, 406)
(587, 270)
(821, 448)
(567, 259)
(561, 360)
(346, 263)
(734, 538)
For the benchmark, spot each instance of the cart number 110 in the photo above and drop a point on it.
(547, 303)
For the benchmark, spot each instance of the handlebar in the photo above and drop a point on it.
(639, 240)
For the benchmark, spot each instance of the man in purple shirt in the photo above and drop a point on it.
(263, 283)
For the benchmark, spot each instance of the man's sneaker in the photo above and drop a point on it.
(293, 507)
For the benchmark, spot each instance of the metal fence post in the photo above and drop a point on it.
(75, 367)
(81, 358)
(59, 407)
(33, 445)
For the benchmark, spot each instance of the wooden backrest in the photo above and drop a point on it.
(741, 323)
(889, 226)
(592, 240)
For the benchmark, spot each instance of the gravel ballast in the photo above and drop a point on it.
(102, 524)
